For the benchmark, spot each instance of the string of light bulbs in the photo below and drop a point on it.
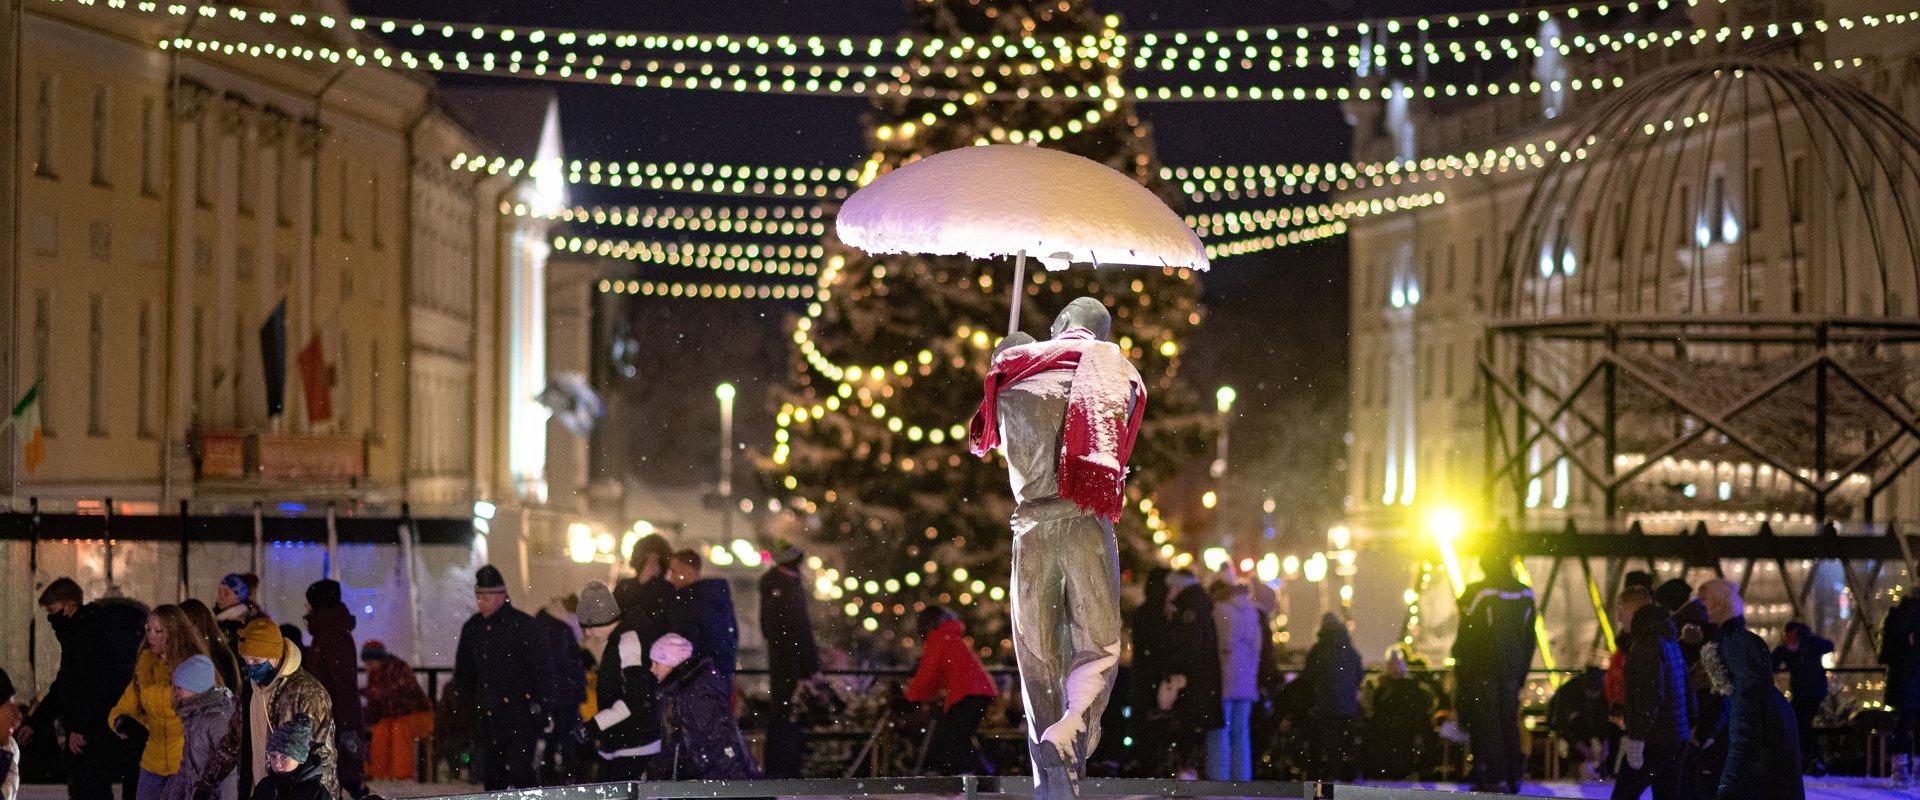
(709, 291)
(1273, 241)
(772, 221)
(762, 259)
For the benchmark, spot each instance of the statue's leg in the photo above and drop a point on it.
(1092, 568)
(1039, 599)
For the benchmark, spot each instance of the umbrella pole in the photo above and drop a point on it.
(1019, 280)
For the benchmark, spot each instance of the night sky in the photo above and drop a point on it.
(1276, 326)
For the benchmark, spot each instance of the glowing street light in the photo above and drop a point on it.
(725, 392)
(1446, 525)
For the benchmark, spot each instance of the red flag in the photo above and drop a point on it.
(316, 381)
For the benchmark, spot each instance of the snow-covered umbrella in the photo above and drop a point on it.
(1018, 200)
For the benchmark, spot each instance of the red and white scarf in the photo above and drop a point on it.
(1105, 404)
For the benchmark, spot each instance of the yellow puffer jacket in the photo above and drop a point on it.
(148, 700)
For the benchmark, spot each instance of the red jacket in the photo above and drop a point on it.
(1617, 680)
(947, 663)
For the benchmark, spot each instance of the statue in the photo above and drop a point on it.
(1068, 410)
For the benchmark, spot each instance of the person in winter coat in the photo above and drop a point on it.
(793, 657)
(703, 741)
(333, 659)
(560, 634)
(702, 612)
(1147, 723)
(949, 666)
(9, 749)
(294, 771)
(1238, 634)
(206, 713)
(1763, 747)
(1801, 654)
(99, 645)
(234, 607)
(1654, 752)
(1625, 606)
(645, 597)
(226, 665)
(276, 690)
(627, 725)
(1332, 676)
(1492, 653)
(1577, 713)
(1709, 717)
(1399, 721)
(397, 713)
(147, 703)
(1900, 652)
(1193, 664)
(503, 673)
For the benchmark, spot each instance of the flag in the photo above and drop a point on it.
(273, 358)
(26, 426)
(316, 381)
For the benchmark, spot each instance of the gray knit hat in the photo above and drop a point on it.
(292, 738)
(597, 606)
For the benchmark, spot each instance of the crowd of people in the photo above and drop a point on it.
(190, 702)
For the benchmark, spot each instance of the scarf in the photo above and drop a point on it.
(1100, 426)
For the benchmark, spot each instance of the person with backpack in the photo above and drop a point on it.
(205, 709)
(703, 741)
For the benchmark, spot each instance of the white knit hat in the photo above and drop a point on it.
(670, 650)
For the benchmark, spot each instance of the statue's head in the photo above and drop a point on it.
(1084, 312)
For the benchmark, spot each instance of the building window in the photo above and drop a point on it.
(1479, 260)
(1453, 253)
(43, 356)
(373, 389)
(1719, 224)
(100, 136)
(96, 368)
(1756, 189)
(1687, 217)
(282, 183)
(243, 178)
(1447, 386)
(202, 162)
(147, 148)
(143, 400)
(1619, 230)
(1797, 192)
(199, 362)
(373, 233)
(346, 202)
(43, 131)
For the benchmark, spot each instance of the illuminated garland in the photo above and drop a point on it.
(736, 257)
(1273, 241)
(709, 291)
(768, 220)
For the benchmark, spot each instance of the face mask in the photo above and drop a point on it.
(262, 672)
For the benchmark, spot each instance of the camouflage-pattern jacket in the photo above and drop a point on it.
(292, 692)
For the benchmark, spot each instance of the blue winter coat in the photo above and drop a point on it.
(1763, 740)
(703, 613)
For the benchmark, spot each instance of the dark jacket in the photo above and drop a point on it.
(99, 645)
(1148, 627)
(231, 619)
(1399, 727)
(1763, 740)
(504, 673)
(304, 783)
(703, 740)
(792, 652)
(644, 604)
(204, 723)
(1806, 675)
(1578, 709)
(624, 689)
(1193, 650)
(1899, 650)
(334, 660)
(1657, 699)
(1332, 672)
(1495, 642)
(703, 613)
(569, 680)
(293, 692)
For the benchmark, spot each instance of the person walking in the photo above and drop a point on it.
(225, 664)
(503, 673)
(206, 712)
(333, 659)
(793, 658)
(1332, 684)
(1398, 709)
(1900, 652)
(277, 689)
(1147, 720)
(1763, 744)
(1654, 752)
(294, 769)
(1709, 712)
(560, 634)
(234, 607)
(1802, 655)
(627, 725)
(948, 666)
(397, 712)
(703, 741)
(1193, 666)
(1237, 632)
(146, 706)
(100, 644)
(702, 612)
(1492, 652)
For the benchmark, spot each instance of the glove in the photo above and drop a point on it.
(582, 733)
(1635, 752)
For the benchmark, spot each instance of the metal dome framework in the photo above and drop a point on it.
(1710, 311)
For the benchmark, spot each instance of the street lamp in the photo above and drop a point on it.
(725, 392)
(1222, 401)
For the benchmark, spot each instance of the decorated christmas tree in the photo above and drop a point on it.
(890, 357)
